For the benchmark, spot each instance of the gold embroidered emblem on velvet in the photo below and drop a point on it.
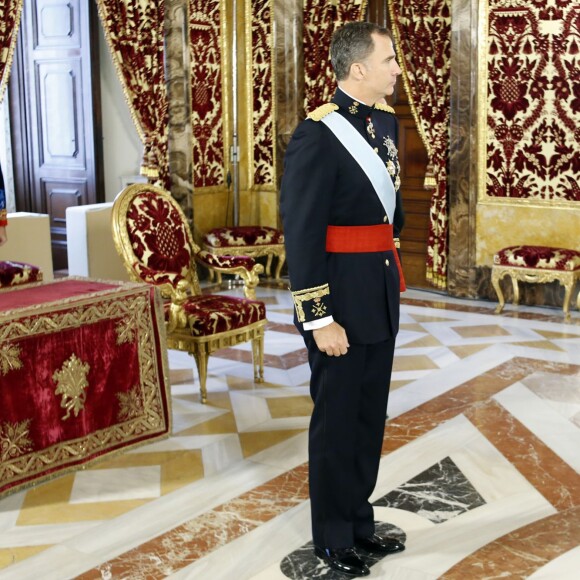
(318, 308)
(72, 382)
(130, 404)
(125, 331)
(9, 358)
(353, 109)
(14, 440)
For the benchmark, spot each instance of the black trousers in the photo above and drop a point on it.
(350, 394)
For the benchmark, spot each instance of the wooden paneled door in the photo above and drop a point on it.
(413, 160)
(55, 113)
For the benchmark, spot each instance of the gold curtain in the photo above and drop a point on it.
(135, 35)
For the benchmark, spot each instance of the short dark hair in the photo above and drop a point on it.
(352, 43)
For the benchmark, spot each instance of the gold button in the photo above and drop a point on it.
(385, 219)
(387, 262)
(376, 149)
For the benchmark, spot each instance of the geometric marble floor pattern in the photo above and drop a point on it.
(479, 473)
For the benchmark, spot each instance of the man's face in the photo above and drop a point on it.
(381, 68)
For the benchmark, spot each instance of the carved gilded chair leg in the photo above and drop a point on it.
(201, 359)
(516, 290)
(496, 276)
(258, 357)
(569, 286)
(281, 260)
(269, 266)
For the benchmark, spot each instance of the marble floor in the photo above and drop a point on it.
(479, 474)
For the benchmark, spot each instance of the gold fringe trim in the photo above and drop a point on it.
(436, 280)
(11, 48)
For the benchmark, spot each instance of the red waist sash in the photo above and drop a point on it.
(359, 239)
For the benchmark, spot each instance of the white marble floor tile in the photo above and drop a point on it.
(440, 381)
(249, 409)
(408, 336)
(58, 563)
(40, 535)
(241, 560)
(565, 567)
(276, 343)
(285, 455)
(219, 455)
(10, 510)
(558, 433)
(437, 549)
(112, 538)
(103, 485)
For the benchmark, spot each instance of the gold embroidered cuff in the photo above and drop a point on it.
(318, 307)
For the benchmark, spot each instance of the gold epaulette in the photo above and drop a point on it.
(383, 107)
(320, 112)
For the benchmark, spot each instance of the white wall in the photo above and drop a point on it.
(122, 148)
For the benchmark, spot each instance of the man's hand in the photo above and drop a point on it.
(331, 339)
(3, 235)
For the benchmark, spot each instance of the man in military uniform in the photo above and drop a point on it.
(339, 203)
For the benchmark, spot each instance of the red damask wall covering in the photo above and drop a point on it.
(533, 100)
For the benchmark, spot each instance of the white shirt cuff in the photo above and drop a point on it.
(320, 323)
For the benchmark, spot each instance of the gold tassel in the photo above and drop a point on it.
(429, 182)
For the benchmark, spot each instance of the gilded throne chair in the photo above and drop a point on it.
(154, 240)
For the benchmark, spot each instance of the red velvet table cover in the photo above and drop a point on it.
(83, 375)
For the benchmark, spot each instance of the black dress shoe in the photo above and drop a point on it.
(344, 560)
(376, 543)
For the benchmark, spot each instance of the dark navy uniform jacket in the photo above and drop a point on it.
(323, 185)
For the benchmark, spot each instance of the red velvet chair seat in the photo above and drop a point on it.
(211, 314)
(16, 273)
(542, 257)
(243, 236)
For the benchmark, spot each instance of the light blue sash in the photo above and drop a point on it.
(368, 160)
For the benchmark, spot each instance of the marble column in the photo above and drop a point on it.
(289, 59)
(179, 95)
(463, 183)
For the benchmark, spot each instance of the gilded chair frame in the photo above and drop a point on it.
(178, 335)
